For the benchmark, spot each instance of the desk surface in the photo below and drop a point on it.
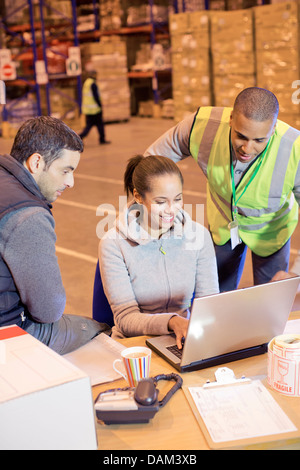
(175, 427)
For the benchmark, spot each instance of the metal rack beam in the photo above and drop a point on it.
(16, 32)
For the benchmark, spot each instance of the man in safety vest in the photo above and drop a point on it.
(251, 161)
(91, 107)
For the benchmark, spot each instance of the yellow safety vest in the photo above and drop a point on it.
(267, 211)
(89, 105)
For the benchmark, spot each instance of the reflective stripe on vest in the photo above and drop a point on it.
(209, 136)
(89, 105)
(267, 211)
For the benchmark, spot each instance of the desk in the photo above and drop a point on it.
(174, 427)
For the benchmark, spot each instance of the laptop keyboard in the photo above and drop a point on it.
(175, 350)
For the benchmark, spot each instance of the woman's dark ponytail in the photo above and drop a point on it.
(131, 166)
(141, 170)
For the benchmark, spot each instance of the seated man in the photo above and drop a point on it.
(40, 167)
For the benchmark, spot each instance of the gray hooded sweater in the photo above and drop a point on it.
(30, 279)
(148, 280)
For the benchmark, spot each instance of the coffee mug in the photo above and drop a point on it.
(136, 361)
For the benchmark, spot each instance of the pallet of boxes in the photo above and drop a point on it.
(232, 51)
(108, 58)
(277, 56)
(190, 62)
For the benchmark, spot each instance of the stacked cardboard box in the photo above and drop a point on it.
(108, 58)
(167, 111)
(14, 11)
(63, 102)
(46, 402)
(148, 57)
(242, 4)
(59, 9)
(146, 108)
(277, 55)
(111, 14)
(232, 54)
(142, 13)
(190, 5)
(190, 62)
(19, 110)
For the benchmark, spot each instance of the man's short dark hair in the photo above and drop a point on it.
(47, 136)
(257, 104)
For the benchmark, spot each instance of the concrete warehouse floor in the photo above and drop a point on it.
(99, 180)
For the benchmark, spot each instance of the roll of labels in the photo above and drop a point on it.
(284, 364)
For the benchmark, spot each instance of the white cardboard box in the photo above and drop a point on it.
(45, 401)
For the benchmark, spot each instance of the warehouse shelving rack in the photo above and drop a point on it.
(70, 23)
(156, 30)
(35, 47)
(15, 33)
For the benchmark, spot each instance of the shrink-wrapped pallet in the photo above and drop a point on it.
(108, 58)
(233, 61)
(190, 62)
(277, 55)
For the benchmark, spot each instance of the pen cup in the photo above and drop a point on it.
(136, 361)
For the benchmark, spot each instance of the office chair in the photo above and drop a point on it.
(101, 308)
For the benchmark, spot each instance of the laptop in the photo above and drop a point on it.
(230, 326)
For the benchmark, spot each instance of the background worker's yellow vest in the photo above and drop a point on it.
(89, 105)
(267, 211)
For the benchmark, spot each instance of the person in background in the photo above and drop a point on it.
(40, 167)
(251, 162)
(156, 258)
(91, 107)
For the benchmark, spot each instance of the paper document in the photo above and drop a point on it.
(240, 412)
(292, 326)
(96, 358)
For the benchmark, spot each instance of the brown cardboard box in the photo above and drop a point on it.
(109, 59)
(277, 53)
(190, 62)
(233, 60)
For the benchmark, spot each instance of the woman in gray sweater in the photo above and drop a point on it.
(156, 258)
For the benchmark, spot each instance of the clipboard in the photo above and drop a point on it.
(235, 413)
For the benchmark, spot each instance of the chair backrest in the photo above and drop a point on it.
(101, 308)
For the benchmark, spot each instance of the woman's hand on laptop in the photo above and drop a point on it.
(280, 275)
(179, 326)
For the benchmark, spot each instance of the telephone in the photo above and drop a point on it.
(134, 405)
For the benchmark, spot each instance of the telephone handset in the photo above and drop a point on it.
(134, 405)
